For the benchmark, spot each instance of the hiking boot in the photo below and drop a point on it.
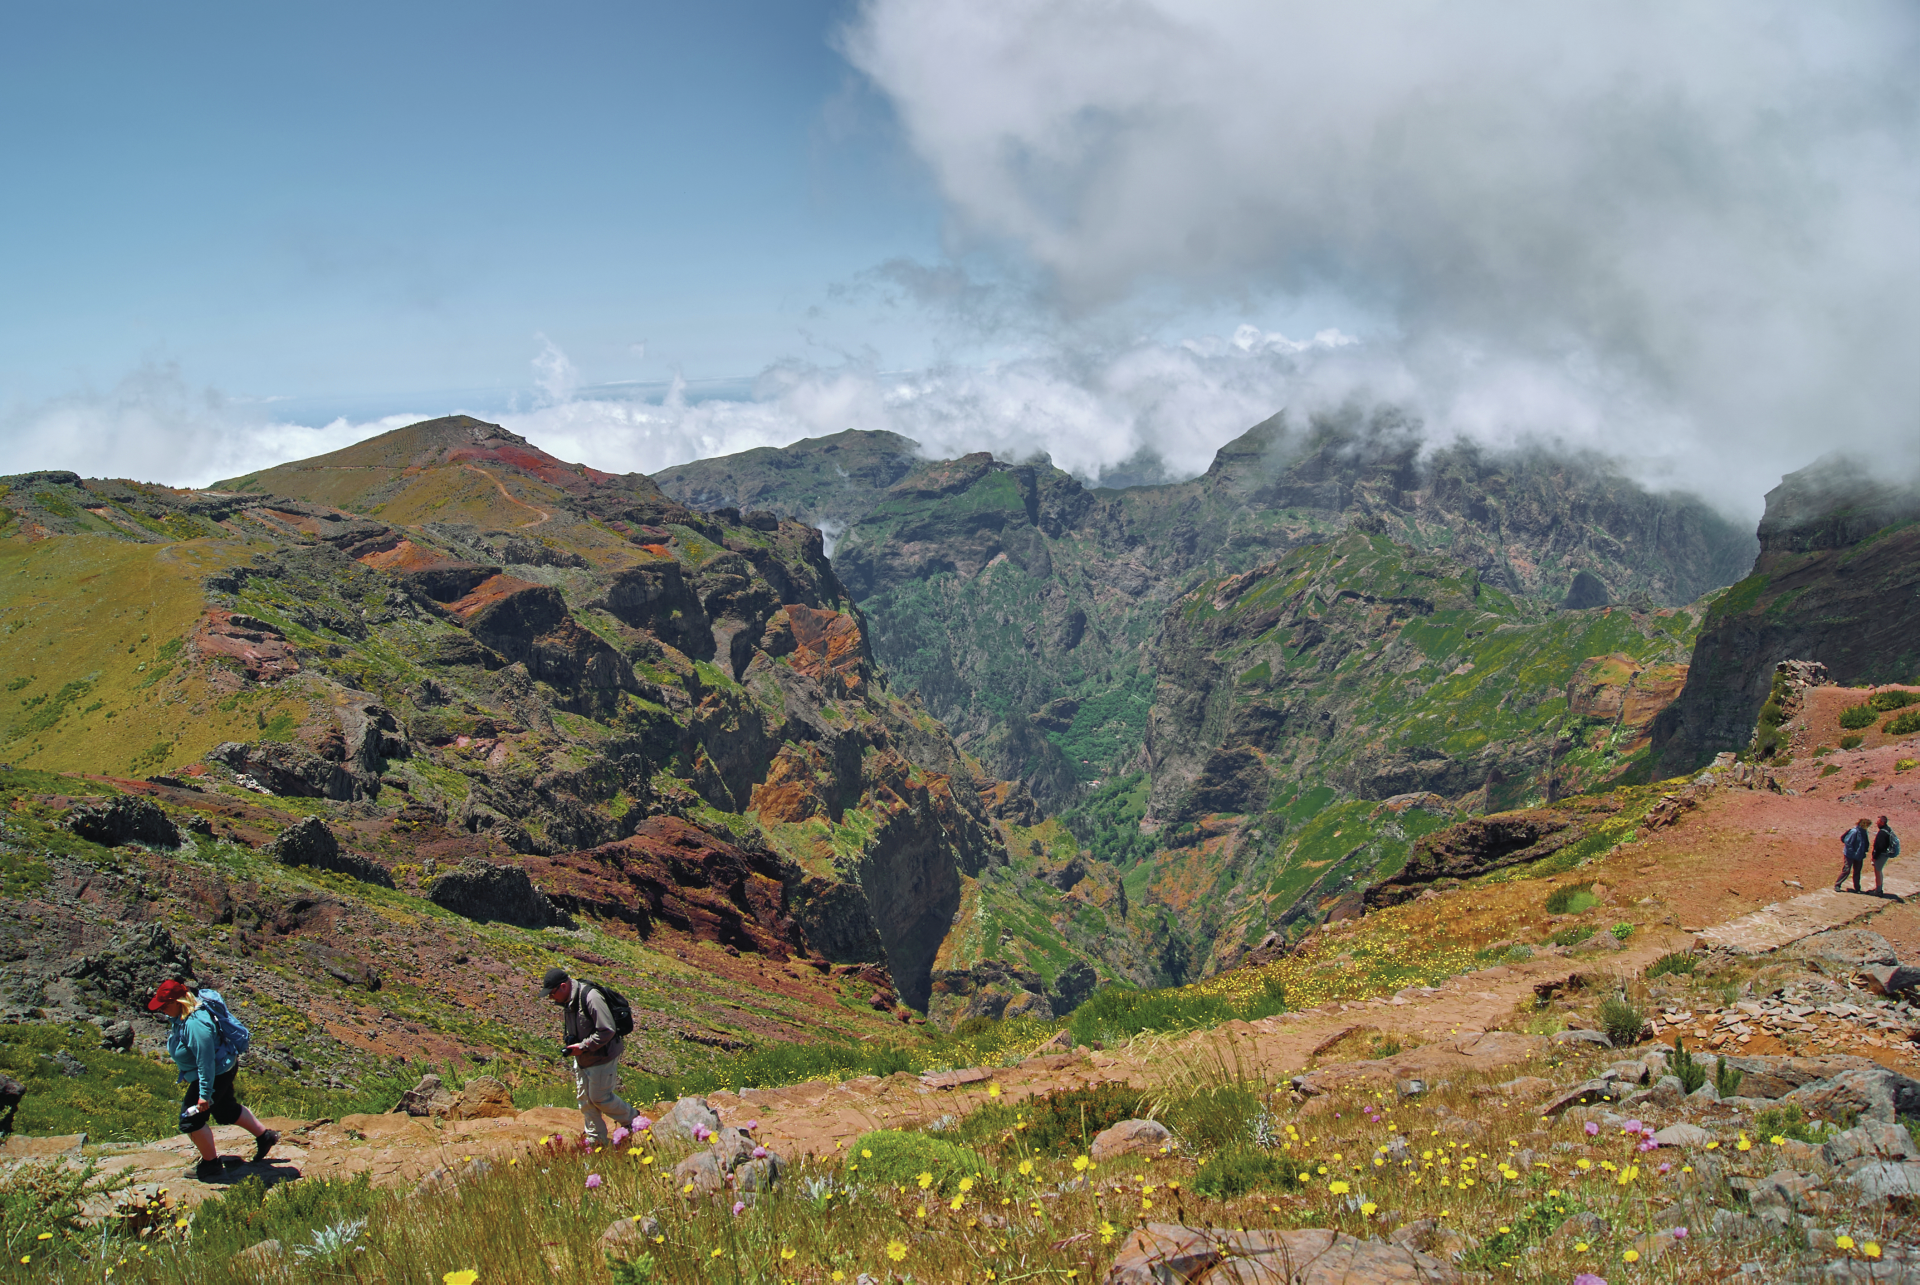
(207, 1170)
(263, 1144)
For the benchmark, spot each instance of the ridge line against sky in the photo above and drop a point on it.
(1687, 236)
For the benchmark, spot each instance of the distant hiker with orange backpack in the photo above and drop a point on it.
(1886, 846)
(206, 1044)
(597, 1022)
(1854, 845)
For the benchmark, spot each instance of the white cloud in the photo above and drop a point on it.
(1688, 234)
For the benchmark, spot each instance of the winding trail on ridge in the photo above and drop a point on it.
(510, 497)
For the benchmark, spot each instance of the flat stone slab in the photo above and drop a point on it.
(1785, 922)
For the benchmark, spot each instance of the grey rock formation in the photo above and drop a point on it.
(488, 893)
(122, 819)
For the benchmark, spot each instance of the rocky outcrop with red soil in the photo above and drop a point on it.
(1477, 846)
(675, 874)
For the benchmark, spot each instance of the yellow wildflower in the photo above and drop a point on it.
(896, 1250)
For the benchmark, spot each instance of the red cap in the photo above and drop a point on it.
(169, 991)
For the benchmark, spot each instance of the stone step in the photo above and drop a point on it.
(1785, 922)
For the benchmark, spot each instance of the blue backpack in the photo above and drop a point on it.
(234, 1038)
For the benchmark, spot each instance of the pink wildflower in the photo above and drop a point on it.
(1632, 1126)
(1592, 1129)
(619, 1135)
(593, 1180)
(759, 1153)
(641, 1123)
(739, 1207)
(1679, 1233)
(1588, 1278)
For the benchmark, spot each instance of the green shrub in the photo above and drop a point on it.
(1857, 716)
(1116, 1011)
(46, 1197)
(1573, 935)
(1678, 962)
(1831, 769)
(249, 1212)
(1680, 1063)
(1621, 1020)
(1771, 713)
(1621, 931)
(1906, 765)
(1903, 724)
(1790, 1122)
(1519, 953)
(1887, 701)
(1235, 1171)
(1217, 1116)
(1726, 1079)
(1823, 751)
(1852, 742)
(894, 1158)
(1066, 1120)
(1573, 899)
(969, 1027)
(1864, 783)
(1534, 1223)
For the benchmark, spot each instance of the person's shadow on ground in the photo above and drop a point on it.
(267, 1171)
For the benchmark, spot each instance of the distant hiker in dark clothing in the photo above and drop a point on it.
(594, 1044)
(1886, 846)
(1855, 844)
(207, 1068)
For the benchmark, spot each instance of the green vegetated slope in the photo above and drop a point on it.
(471, 651)
(1071, 639)
(1317, 716)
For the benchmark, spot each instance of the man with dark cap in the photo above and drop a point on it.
(594, 1044)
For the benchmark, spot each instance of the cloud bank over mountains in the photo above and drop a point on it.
(1686, 236)
(1689, 231)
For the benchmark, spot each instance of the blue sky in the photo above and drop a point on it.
(1114, 231)
(353, 199)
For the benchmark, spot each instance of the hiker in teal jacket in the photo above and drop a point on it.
(193, 1041)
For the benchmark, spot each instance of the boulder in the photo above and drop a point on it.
(1873, 1141)
(311, 843)
(1776, 1076)
(266, 1260)
(1667, 1091)
(1580, 1095)
(483, 1098)
(1166, 1252)
(486, 893)
(1892, 979)
(117, 1036)
(1582, 1228)
(700, 1174)
(1682, 1135)
(125, 818)
(427, 1098)
(1129, 1138)
(1872, 1093)
(626, 1238)
(684, 1118)
(1880, 1179)
(1847, 948)
(1597, 1038)
(763, 1174)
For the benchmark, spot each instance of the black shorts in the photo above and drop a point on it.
(226, 1107)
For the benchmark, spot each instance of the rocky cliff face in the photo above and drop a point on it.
(446, 624)
(1023, 608)
(1837, 581)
